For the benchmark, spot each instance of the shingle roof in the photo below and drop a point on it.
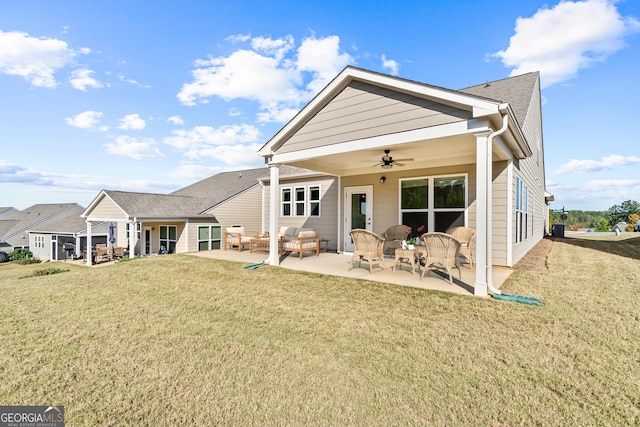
(67, 222)
(33, 216)
(156, 205)
(517, 91)
(222, 186)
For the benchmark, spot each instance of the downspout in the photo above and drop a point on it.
(489, 249)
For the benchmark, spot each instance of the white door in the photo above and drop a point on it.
(358, 212)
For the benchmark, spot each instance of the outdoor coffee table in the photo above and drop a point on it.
(262, 244)
(407, 257)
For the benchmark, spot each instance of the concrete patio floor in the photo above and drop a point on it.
(338, 265)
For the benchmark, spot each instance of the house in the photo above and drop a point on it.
(7, 211)
(405, 152)
(64, 236)
(57, 223)
(187, 220)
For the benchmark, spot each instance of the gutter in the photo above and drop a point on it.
(489, 248)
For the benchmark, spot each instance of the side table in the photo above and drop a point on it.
(407, 257)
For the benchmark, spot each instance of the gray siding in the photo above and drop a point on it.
(326, 225)
(531, 171)
(244, 209)
(363, 111)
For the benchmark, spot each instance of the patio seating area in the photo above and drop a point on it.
(337, 264)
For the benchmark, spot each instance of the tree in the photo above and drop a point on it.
(603, 225)
(633, 218)
(620, 213)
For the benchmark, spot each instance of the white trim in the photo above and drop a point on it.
(510, 206)
(368, 190)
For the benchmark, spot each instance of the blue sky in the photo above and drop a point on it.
(152, 96)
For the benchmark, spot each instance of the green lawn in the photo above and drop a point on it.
(192, 341)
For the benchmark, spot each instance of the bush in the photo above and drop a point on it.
(21, 254)
(45, 272)
(603, 225)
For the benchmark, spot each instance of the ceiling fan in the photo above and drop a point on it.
(387, 162)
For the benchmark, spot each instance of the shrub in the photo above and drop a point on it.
(603, 225)
(21, 254)
(45, 272)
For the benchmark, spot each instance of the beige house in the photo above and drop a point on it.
(187, 220)
(404, 152)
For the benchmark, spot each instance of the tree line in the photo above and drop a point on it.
(628, 211)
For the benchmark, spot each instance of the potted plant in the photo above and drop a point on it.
(411, 243)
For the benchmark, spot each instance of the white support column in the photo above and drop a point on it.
(483, 213)
(274, 213)
(89, 251)
(132, 239)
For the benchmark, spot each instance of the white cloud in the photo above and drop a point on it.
(321, 57)
(562, 40)
(239, 38)
(205, 141)
(34, 59)
(176, 120)
(238, 156)
(81, 79)
(132, 121)
(272, 73)
(136, 148)
(612, 184)
(234, 112)
(389, 64)
(86, 120)
(613, 161)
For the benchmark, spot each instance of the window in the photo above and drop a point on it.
(449, 202)
(39, 241)
(434, 203)
(314, 200)
(138, 229)
(168, 239)
(286, 202)
(522, 211)
(208, 237)
(299, 201)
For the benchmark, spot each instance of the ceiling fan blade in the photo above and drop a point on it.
(398, 164)
(403, 160)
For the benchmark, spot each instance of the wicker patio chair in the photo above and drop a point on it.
(393, 236)
(465, 236)
(368, 247)
(102, 253)
(442, 253)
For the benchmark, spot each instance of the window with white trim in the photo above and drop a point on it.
(299, 200)
(209, 237)
(314, 200)
(522, 211)
(434, 203)
(39, 241)
(138, 229)
(286, 202)
(168, 239)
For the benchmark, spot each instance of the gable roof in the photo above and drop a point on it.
(7, 211)
(149, 205)
(517, 91)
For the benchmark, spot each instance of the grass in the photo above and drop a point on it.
(188, 340)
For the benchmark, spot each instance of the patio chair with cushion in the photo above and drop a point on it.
(239, 237)
(393, 236)
(305, 241)
(368, 247)
(442, 251)
(102, 253)
(465, 236)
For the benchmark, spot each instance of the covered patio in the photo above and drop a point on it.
(333, 264)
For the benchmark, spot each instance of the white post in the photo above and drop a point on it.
(483, 211)
(132, 239)
(89, 251)
(274, 213)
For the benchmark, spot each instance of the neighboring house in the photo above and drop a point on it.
(16, 230)
(64, 236)
(187, 220)
(470, 157)
(620, 227)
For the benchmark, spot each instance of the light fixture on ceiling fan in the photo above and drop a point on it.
(387, 162)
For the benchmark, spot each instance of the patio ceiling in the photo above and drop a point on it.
(343, 160)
